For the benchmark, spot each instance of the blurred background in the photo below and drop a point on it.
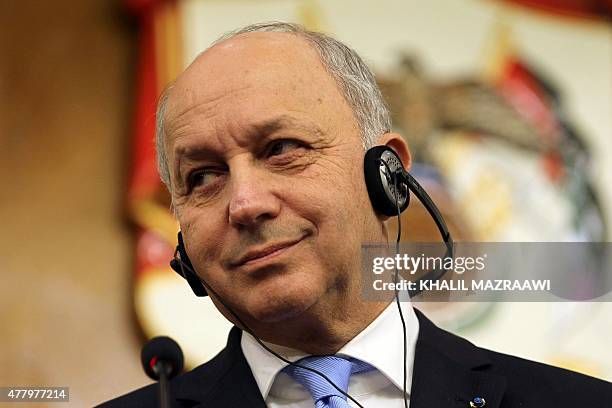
(507, 107)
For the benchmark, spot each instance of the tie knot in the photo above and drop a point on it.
(337, 369)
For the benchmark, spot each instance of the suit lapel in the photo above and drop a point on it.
(225, 381)
(450, 371)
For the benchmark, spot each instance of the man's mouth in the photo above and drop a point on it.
(264, 253)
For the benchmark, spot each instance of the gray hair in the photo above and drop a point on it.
(355, 81)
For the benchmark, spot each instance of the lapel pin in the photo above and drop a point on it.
(477, 402)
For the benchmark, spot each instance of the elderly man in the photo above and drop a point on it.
(261, 143)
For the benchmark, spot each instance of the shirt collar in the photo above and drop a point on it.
(379, 344)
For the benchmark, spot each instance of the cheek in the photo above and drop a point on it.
(340, 210)
(349, 207)
(202, 233)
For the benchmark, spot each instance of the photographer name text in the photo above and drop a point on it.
(500, 285)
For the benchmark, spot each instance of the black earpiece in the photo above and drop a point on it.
(388, 185)
(179, 261)
(380, 181)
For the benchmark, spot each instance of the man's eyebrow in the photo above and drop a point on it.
(281, 122)
(186, 154)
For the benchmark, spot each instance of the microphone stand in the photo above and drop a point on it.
(162, 368)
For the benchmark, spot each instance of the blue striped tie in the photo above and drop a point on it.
(337, 369)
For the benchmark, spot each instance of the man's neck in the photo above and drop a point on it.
(323, 332)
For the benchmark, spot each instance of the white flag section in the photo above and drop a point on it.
(451, 39)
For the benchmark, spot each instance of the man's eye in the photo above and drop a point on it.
(282, 147)
(204, 177)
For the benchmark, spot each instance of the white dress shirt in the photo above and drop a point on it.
(380, 345)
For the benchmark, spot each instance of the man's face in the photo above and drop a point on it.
(266, 171)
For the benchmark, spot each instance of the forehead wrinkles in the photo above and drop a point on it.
(189, 102)
(181, 112)
(244, 112)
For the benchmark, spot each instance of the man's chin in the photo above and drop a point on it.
(278, 308)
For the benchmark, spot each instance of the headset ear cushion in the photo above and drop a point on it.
(382, 202)
(192, 279)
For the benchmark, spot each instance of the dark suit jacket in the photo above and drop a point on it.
(448, 372)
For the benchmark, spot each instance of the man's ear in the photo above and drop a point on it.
(397, 143)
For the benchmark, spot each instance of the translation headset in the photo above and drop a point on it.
(389, 186)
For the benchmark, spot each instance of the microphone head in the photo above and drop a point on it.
(165, 350)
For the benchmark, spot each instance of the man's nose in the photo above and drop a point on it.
(252, 200)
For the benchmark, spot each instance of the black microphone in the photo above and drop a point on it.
(162, 360)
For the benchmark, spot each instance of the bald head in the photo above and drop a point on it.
(252, 54)
(267, 44)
